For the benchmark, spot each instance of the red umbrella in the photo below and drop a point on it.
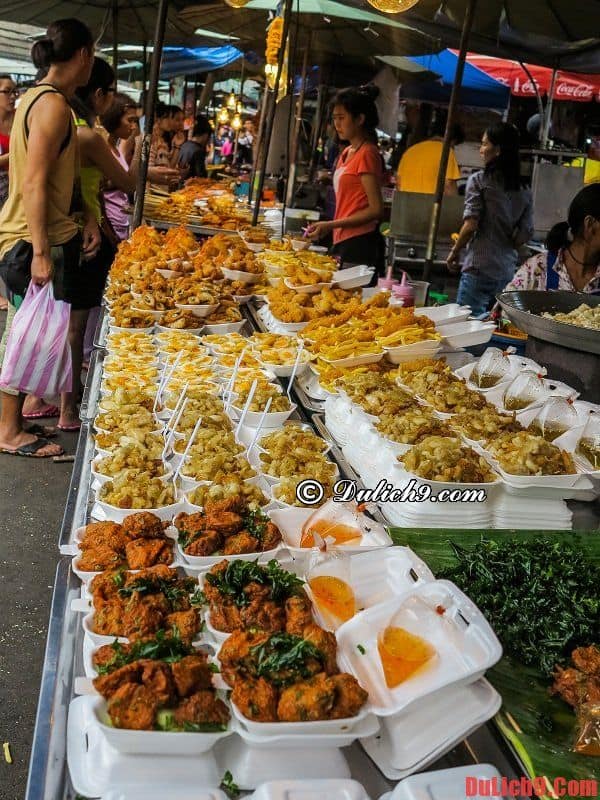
(568, 86)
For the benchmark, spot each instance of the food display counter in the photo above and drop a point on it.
(71, 753)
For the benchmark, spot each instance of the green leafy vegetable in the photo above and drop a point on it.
(255, 522)
(198, 599)
(540, 596)
(228, 784)
(283, 658)
(361, 649)
(232, 581)
(160, 648)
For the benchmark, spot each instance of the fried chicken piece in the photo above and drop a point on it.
(298, 614)
(106, 654)
(226, 522)
(143, 525)
(108, 619)
(240, 543)
(350, 697)
(263, 614)
(235, 655)
(190, 523)
(133, 707)
(237, 505)
(271, 536)
(186, 622)
(143, 553)
(202, 708)
(205, 544)
(326, 643)
(256, 699)
(152, 575)
(105, 587)
(587, 659)
(107, 685)
(225, 617)
(191, 674)
(156, 676)
(570, 685)
(97, 559)
(308, 700)
(140, 619)
(107, 534)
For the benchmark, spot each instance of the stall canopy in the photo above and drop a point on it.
(478, 88)
(333, 27)
(568, 86)
(555, 33)
(192, 60)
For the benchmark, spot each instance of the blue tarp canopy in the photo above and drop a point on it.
(478, 89)
(191, 60)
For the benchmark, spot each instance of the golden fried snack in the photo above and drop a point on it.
(438, 458)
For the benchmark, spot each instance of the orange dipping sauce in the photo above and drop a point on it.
(334, 595)
(402, 654)
(342, 534)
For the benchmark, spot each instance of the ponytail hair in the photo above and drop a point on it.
(62, 40)
(361, 100)
(586, 203)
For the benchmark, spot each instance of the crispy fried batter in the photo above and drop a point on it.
(203, 707)
(191, 674)
(133, 707)
(256, 699)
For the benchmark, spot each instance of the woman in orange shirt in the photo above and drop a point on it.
(357, 181)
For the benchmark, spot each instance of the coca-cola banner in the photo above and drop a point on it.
(569, 85)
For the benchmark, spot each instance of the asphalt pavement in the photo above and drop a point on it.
(32, 500)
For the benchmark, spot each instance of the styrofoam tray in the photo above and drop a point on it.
(312, 288)
(331, 789)
(444, 784)
(465, 644)
(273, 419)
(318, 728)
(377, 577)
(467, 334)
(407, 740)
(353, 277)
(97, 768)
(444, 315)
(355, 361)
(290, 522)
(240, 276)
(105, 512)
(450, 729)
(206, 562)
(200, 311)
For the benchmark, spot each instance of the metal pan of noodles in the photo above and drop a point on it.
(525, 310)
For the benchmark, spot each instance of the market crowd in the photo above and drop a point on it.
(69, 160)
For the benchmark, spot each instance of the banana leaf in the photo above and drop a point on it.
(539, 729)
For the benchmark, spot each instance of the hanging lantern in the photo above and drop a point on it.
(236, 3)
(223, 116)
(236, 122)
(231, 101)
(239, 108)
(392, 6)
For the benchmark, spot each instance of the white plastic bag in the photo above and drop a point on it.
(38, 356)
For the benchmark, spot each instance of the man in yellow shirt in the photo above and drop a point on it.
(592, 162)
(419, 166)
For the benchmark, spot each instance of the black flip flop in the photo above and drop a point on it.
(45, 431)
(30, 450)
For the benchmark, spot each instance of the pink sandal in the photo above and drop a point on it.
(44, 413)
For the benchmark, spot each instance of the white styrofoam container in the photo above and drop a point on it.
(444, 784)
(318, 728)
(468, 333)
(465, 644)
(331, 789)
(444, 315)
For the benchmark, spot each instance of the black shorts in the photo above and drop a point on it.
(15, 267)
(84, 286)
(368, 248)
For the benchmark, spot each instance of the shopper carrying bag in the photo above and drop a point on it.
(38, 355)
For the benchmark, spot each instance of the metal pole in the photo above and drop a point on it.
(287, 15)
(297, 127)
(548, 113)
(259, 145)
(321, 103)
(159, 37)
(115, 32)
(144, 70)
(441, 179)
